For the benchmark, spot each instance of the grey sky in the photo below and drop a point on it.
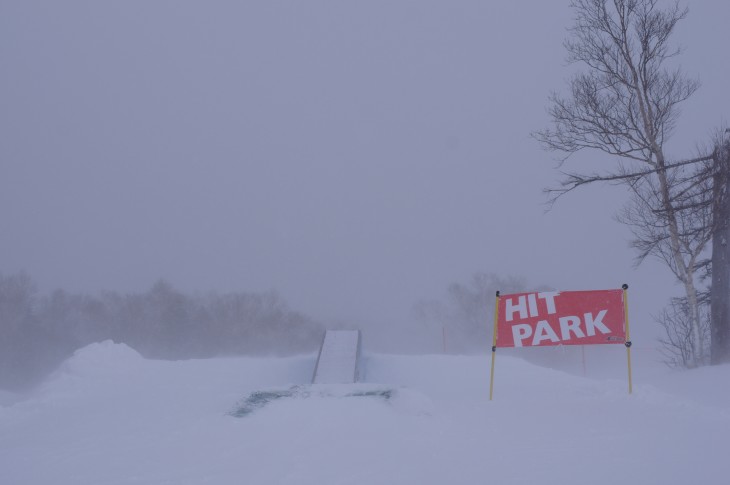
(356, 156)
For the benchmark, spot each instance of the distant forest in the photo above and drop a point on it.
(37, 332)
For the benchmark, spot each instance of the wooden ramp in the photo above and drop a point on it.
(339, 358)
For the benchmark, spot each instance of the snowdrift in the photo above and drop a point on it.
(108, 416)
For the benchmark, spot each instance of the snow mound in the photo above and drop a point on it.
(102, 357)
(704, 384)
(98, 362)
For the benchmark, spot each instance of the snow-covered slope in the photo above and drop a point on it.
(108, 416)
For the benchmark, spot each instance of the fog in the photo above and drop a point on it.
(355, 157)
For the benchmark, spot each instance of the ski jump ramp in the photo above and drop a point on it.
(338, 361)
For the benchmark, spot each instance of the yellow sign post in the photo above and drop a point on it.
(494, 345)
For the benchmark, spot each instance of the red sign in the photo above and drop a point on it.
(561, 318)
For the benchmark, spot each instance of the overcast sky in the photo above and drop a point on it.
(355, 156)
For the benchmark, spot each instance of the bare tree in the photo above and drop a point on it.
(465, 307)
(678, 345)
(626, 105)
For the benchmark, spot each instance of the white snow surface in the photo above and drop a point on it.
(108, 416)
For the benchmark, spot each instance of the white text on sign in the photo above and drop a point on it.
(555, 329)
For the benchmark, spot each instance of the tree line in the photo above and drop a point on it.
(40, 331)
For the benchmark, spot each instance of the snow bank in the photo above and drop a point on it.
(101, 358)
(707, 385)
(111, 417)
